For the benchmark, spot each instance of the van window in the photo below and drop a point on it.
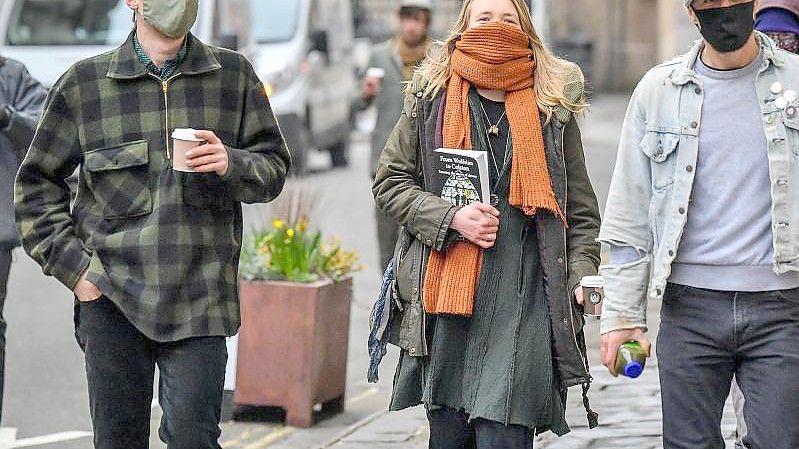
(274, 20)
(69, 22)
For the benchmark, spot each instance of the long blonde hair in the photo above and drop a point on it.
(551, 72)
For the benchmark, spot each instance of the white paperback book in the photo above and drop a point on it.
(461, 176)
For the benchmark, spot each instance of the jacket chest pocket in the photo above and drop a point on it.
(118, 177)
(661, 148)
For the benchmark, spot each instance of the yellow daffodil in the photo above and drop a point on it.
(302, 225)
(290, 233)
(278, 224)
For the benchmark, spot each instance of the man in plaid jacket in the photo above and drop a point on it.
(151, 253)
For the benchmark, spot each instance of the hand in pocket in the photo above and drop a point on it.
(85, 291)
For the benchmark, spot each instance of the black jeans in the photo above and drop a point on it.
(5, 269)
(705, 338)
(450, 429)
(120, 366)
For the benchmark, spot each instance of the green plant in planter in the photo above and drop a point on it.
(291, 252)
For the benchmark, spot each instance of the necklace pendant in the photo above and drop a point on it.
(493, 130)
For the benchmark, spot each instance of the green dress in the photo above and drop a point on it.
(497, 364)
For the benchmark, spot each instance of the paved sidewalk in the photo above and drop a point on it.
(629, 417)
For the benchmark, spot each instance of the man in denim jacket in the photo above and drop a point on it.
(703, 214)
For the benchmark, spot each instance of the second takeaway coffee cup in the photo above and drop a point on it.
(376, 72)
(593, 293)
(183, 140)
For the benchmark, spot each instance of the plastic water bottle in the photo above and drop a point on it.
(631, 360)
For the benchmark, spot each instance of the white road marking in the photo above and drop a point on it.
(8, 438)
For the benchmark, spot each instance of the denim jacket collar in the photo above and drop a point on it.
(684, 72)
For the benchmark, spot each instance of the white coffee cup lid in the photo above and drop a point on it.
(592, 281)
(186, 134)
(376, 72)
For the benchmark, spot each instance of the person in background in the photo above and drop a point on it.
(21, 101)
(151, 253)
(396, 58)
(779, 20)
(700, 215)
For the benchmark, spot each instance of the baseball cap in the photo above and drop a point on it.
(423, 4)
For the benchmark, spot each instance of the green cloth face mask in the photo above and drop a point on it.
(173, 18)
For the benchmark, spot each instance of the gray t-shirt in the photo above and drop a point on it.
(727, 243)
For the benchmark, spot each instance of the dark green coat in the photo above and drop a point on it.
(567, 254)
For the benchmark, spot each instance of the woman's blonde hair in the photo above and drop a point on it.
(551, 72)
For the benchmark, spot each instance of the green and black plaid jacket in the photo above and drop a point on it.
(162, 245)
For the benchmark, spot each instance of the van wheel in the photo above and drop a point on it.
(339, 154)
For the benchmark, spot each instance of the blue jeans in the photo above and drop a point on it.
(708, 336)
(451, 429)
(120, 366)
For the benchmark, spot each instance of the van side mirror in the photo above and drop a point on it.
(320, 42)
(229, 41)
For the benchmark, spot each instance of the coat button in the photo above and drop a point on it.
(412, 350)
(659, 292)
(689, 168)
(698, 90)
(694, 125)
(413, 114)
(429, 242)
(560, 260)
(681, 211)
(671, 253)
(419, 94)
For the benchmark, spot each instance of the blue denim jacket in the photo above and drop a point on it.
(654, 176)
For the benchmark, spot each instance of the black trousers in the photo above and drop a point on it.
(120, 366)
(451, 429)
(5, 269)
(708, 336)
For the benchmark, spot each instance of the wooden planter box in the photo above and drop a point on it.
(293, 346)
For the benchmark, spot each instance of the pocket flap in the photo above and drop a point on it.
(659, 145)
(129, 154)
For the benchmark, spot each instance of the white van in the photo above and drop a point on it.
(304, 54)
(51, 35)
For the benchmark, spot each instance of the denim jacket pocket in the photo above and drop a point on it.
(660, 146)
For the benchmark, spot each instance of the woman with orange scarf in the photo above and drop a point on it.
(489, 323)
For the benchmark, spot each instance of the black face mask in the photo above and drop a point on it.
(727, 29)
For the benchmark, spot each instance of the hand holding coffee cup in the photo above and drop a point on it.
(593, 293)
(372, 82)
(199, 151)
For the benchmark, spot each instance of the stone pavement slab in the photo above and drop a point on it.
(630, 416)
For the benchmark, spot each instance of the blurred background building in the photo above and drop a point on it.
(615, 41)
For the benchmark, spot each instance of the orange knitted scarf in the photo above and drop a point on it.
(494, 56)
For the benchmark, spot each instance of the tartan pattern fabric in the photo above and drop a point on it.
(169, 66)
(162, 245)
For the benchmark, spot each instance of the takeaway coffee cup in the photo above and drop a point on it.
(183, 140)
(594, 293)
(376, 72)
